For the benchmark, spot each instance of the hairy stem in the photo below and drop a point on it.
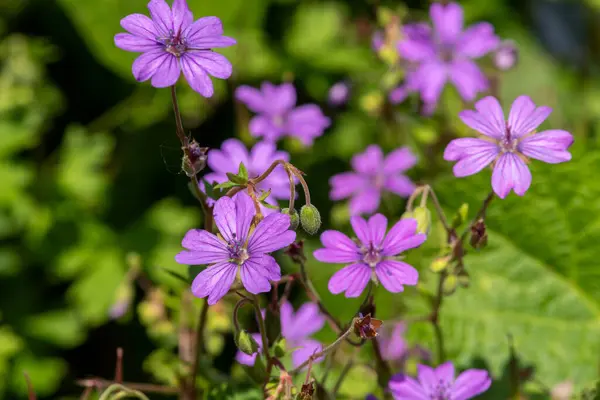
(263, 330)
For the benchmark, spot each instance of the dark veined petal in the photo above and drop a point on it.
(510, 172)
(351, 279)
(548, 146)
(214, 281)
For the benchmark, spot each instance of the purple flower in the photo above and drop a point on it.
(339, 94)
(372, 175)
(246, 359)
(171, 42)
(444, 53)
(278, 115)
(507, 144)
(297, 327)
(372, 257)
(393, 345)
(506, 55)
(439, 383)
(257, 160)
(236, 249)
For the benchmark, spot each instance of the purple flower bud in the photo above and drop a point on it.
(506, 55)
(339, 94)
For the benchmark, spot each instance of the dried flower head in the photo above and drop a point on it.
(366, 327)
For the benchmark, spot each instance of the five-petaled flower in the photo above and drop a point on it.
(257, 160)
(444, 53)
(278, 115)
(439, 383)
(372, 175)
(238, 248)
(171, 42)
(507, 144)
(372, 257)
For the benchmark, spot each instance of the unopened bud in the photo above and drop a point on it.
(506, 55)
(279, 348)
(294, 217)
(338, 94)
(450, 284)
(478, 235)
(423, 217)
(310, 219)
(245, 342)
(440, 264)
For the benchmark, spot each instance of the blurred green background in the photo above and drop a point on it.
(90, 175)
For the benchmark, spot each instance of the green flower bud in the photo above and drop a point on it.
(450, 284)
(279, 348)
(310, 219)
(440, 264)
(294, 218)
(245, 342)
(423, 217)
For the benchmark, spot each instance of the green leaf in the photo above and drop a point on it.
(61, 327)
(242, 171)
(236, 179)
(539, 278)
(225, 185)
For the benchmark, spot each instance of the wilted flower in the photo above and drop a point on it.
(366, 326)
(257, 160)
(297, 327)
(278, 115)
(246, 359)
(444, 53)
(507, 144)
(237, 250)
(372, 175)
(171, 42)
(439, 383)
(339, 93)
(373, 257)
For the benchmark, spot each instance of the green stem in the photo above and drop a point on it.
(263, 330)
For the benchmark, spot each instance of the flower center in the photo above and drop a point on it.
(237, 252)
(279, 121)
(441, 391)
(371, 255)
(379, 181)
(174, 44)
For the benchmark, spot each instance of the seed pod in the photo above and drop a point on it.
(294, 217)
(245, 342)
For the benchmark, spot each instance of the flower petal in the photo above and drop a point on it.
(400, 185)
(548, 146)
(145, 66)
(478, 40)
(345, 184)
(399, 94)
(510, 172)
(401, 237)
(228, 158)
(416, 50)
(251, 97)
(214, 281)
(271, 234)
(361, 229)
(129, 42)
(369, 162)
(181, 15)
(473, 159)
(141, 26)
(286, 317)
(464, 147)
(196, 76)
(399, 160)
(338, 248)
(427, 378)
(224, 216)
(394, 274)
(205, 248)
(468, 79)
(366, 201)
(307, 122)
(167, 73)
(262, 125)
(404, 387)
(447, 21)
(471, 383)
(244, 214)
(431, 78)
(162, 17)
(214, 63)
(281, 98)
(307, 348)
(490, 115)
(351, 279)
(524, 117)
(306, 321)
(203, 28)
(445, 372)
(377, 228)
(255, 274)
